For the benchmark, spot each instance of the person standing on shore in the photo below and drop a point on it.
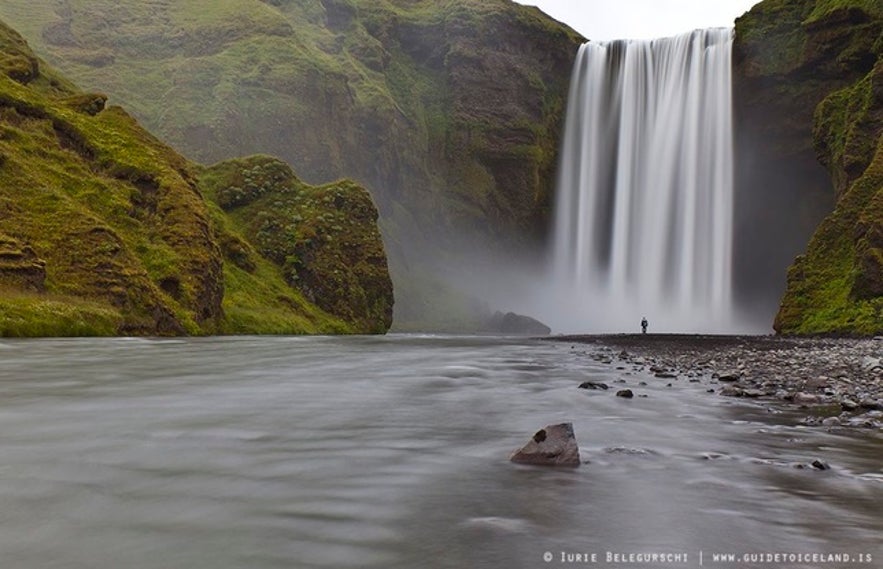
(644, 325)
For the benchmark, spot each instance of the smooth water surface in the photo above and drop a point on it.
(392, 452)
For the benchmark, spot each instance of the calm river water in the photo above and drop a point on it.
(392, 452)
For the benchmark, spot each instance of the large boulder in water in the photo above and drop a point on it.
(555, 445)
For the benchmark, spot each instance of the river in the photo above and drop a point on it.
(392, 452)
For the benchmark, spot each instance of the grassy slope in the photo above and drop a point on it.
(104, 230)
(448, 111)
(72, 186)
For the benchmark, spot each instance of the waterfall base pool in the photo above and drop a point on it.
(392, 452)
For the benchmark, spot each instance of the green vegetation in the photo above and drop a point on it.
(827, 53)
(30, 315)
(324, 239)
(860, 8)
(104, 230)
(448, 111)
(825, 287)
(772, 36)
(843, 132)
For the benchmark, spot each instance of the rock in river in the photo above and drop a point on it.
(627, 393)
(554, 445)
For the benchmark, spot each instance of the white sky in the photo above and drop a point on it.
(601, 20)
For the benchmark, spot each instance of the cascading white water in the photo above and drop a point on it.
(643, 222)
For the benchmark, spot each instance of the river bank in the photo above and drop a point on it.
(838, 382)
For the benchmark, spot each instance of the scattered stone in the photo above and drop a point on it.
(630, 451)
(729, 376)
(626, 393)
(594, 385)
(832, 422)
(731, 391)
(845, 374)
(554, 445)
(819, 465)
(804, 398)
(666, 375)
(870, 363)
(860, 423)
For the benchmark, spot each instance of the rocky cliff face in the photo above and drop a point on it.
(449, 112)
(104, 230)
(809, 75)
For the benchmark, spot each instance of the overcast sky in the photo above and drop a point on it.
(642, 19)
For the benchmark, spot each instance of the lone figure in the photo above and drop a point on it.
(644, 325)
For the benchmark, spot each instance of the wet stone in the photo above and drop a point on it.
(731, 391)
(554, 445)
(804, 398)
(625, 393)
(594, 385)
(831, 375)
(831, 422)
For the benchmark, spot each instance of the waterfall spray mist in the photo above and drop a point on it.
(644, 208)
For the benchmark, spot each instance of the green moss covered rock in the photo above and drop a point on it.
(104, 230)
(818, 64)
(110, 214)
(449, 112)
(324, 239)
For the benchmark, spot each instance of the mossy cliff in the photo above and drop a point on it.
(815, 67)
(104, 230)
(324, 239)
(448, 111)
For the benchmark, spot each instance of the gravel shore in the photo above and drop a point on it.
(838, 381)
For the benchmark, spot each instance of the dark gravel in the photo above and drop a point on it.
(838, 381)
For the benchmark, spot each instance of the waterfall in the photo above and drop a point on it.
(644, 204)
